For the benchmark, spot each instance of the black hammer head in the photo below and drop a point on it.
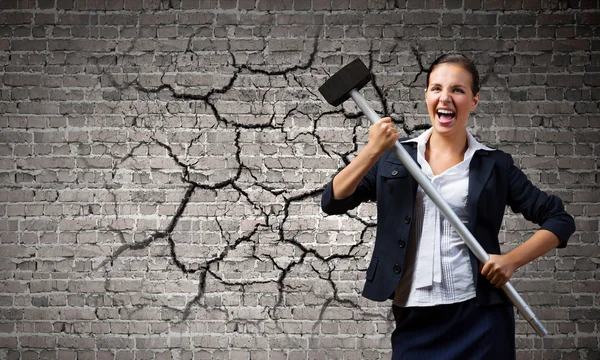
(337, 89)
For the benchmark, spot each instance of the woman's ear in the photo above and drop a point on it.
(475, 102)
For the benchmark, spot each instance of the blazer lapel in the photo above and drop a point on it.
(479, 172)
(411, 149)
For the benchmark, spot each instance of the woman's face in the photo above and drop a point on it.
(450, 98)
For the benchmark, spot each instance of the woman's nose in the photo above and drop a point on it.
(444, 96)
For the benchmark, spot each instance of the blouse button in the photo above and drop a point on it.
(407, 219)
(394, 172)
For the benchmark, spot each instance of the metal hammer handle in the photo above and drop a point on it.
(460, 228)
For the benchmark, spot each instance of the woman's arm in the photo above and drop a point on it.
(537, 206)
(500, 268)
(382, 136)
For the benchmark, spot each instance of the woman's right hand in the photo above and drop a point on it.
(382, 135)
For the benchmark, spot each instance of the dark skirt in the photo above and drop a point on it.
(464, 330)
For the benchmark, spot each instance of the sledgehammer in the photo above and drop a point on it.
(345, 84)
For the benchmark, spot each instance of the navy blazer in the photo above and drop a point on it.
(494, 183)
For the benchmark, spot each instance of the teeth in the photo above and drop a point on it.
(446, 112)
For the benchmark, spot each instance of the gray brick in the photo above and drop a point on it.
(38, 341)
(77, 343)
(115, 342)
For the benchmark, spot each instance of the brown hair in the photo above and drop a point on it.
(461, 61)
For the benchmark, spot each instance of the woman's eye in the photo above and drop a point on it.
(459, 91)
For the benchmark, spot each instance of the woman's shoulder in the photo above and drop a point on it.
(495, 153)
(501, 158)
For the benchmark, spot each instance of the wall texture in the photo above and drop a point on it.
(161, 165)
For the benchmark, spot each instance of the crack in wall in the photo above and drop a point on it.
(282, 215)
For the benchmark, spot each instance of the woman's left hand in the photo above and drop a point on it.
(498, 269)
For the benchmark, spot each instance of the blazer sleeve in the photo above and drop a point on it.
(366, 190)
(537, 206)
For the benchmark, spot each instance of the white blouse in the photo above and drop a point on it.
(437, 266)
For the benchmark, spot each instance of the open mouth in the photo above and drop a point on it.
(445, 116)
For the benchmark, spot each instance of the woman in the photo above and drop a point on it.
(445, 303)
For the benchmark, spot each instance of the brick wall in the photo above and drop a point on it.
(162, 163)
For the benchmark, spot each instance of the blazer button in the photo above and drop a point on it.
(401, 243)
(395, 172)
(407, 219)
(397, 269)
